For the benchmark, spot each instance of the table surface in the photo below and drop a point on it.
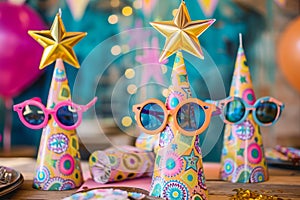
(283, 182)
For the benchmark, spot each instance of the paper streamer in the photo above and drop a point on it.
(243, 159)
(114, 165)
(58, 162)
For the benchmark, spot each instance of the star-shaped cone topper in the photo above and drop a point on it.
(57, 43)
(182, 33)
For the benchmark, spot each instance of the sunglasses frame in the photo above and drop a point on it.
(207, 108)
(46, 111)
(221, 105)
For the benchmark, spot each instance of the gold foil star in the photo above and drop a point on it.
(182, 33)
(57, 43)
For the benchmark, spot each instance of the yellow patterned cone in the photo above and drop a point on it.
(243, 157)
(178, 170)
(58, 162)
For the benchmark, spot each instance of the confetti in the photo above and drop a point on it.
(246, 194)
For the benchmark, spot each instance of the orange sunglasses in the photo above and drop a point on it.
(191, 116)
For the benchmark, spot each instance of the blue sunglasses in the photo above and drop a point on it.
(234, 110)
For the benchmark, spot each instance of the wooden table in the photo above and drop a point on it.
(284, 183)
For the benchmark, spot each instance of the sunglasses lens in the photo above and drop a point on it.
(266, 112)
(67, 115)
(190, 117)
(234, 111)
(152, 116)
(33, 115)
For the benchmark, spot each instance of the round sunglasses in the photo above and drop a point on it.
(234, 110)
(191, 116)
(66, 114)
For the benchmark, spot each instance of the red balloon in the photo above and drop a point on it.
(19, 53)
(288, 53)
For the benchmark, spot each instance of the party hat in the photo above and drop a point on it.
(243, 157)
(178, 171)
(58, 161)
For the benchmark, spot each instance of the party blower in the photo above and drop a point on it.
(58, 162)
(243, 159)
(178, 169)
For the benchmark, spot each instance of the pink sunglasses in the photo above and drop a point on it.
(67, 114)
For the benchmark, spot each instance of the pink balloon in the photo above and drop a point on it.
(19, 53)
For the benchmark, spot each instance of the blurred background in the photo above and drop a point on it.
(119, 36)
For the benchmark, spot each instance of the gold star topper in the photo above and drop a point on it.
(57, 43)
(182, 33)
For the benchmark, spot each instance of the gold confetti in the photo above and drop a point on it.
(246, 194)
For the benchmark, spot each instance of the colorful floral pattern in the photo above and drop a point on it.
(166, 137)
(66, 164)
(244, 130)
(258, 175)
(175, 190)
(172, 164)
(58, 143)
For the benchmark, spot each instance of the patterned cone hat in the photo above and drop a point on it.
(178, 171)
(58, 161)
(243, 157)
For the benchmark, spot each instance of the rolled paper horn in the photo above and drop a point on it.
(114, 165)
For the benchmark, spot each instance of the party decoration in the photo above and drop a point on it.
(178, 169)
(124, 163)
(137, 37)
(17, 2)
(77, 8)
(148, 6)
(288, 51)
(108, 194)
(280, 3)
(147, 142)
(182, 33)
(245, 194)
(18, 53)
(57, 43)
(208, 6)
(150, 57)
(243, 158)
(58, 162)
(234, 110)
(154, 73)
(35, 115)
